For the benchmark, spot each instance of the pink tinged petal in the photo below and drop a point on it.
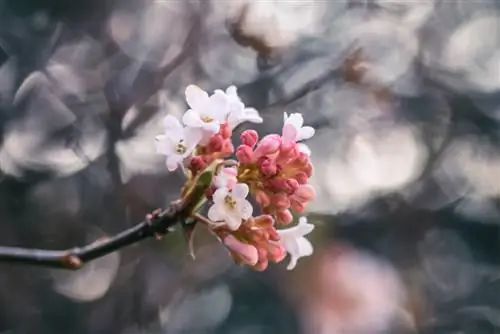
(305, 133)
(192, 118)
(289, 134)
(246, 252)
(171, 123)
(304, 193)
(172, 162)
(196, 97)
(246, 209)
(220, 195)
(268, 145)
(215, 213)
(240, 191)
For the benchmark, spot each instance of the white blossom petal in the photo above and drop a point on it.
(233, 220)
(192, 137)
(305, 132)
(163, 145)
(171, 123)
(240, 190)
(303, 148)
(215, 213)
(192, 118)
(196, 97)
(246, 209)
(219, 195)
(218, 106)
(296, 120)
(294, 242)
(172, 162)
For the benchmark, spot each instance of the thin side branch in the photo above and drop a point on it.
(155, 224)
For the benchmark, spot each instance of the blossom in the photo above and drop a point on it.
(230, 206)
(237, 112)
(295, 131)
(294, 242)
(226, 178)
(177, 143)
(207, 112)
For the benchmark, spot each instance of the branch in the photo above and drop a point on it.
(157, 224)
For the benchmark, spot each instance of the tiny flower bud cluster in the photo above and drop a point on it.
(273, 170)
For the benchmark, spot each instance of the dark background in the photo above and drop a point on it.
(405, 96)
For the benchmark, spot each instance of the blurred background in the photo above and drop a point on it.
(405, 96)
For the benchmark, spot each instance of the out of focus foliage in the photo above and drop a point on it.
(406, 99)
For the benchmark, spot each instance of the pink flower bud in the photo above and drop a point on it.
(261, 265)
(262, 198)
(304, 193)
(308, 169)
(227, 148)
(276, 252)
(267, 166)
(244, 154)
(225, 131)
(290, 186)
(265, 221)
(270, 144)
(248, 254)
(297, 206)
(197, 164)
(281, 201)
(283, 217)
(301, 177)
(249, 137)
(215, 143)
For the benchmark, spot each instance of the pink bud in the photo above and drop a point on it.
(283, 217)
(267, 166)
(262, 265)
(262, 198)
(301, 177)
(304, 193)
(297, 206)
(227, 147)
(215, 143)
(264, 220)
(244, 154)
(291, 185)
(249, 137)
(276, 252)
(248, 254)
(197, 164)
(308, 169)
(270, 144)
(281, 201)
(225, 130)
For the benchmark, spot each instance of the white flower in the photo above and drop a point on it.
(295, 131)
(177, 143)
(226, 178)
(237, 113)
(294, 242)
(207, 112)
(230, 206)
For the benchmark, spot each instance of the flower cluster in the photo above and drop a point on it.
(274, 171)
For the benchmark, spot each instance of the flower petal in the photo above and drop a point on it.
(220, 195)
(305, 247)
(172, 162)
(163, 145)
(192, 118)
(246, 209)
(196, 97)
(289, 134)
(233, 221)
(218, 106)
(192, 137)
(305, 133)
(292, 263)
(240, 191)
(211, 128)
(232, 91)
(303, 148)
(215, 213)
(171, 123)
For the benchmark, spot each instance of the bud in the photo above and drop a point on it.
(244, 154)
(270, 144)
(267, 166)
(227, 148)
(276, 252)
(215, 143)
(283, 217)
(301, 177)
(225, 131)
(246, 253)
(197, 164)
(281, 201)
(304, 193)
(249, 138)
(262, 198)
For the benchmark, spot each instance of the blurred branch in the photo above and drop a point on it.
(157, 224)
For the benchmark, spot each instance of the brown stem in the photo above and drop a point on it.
(155, 224)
